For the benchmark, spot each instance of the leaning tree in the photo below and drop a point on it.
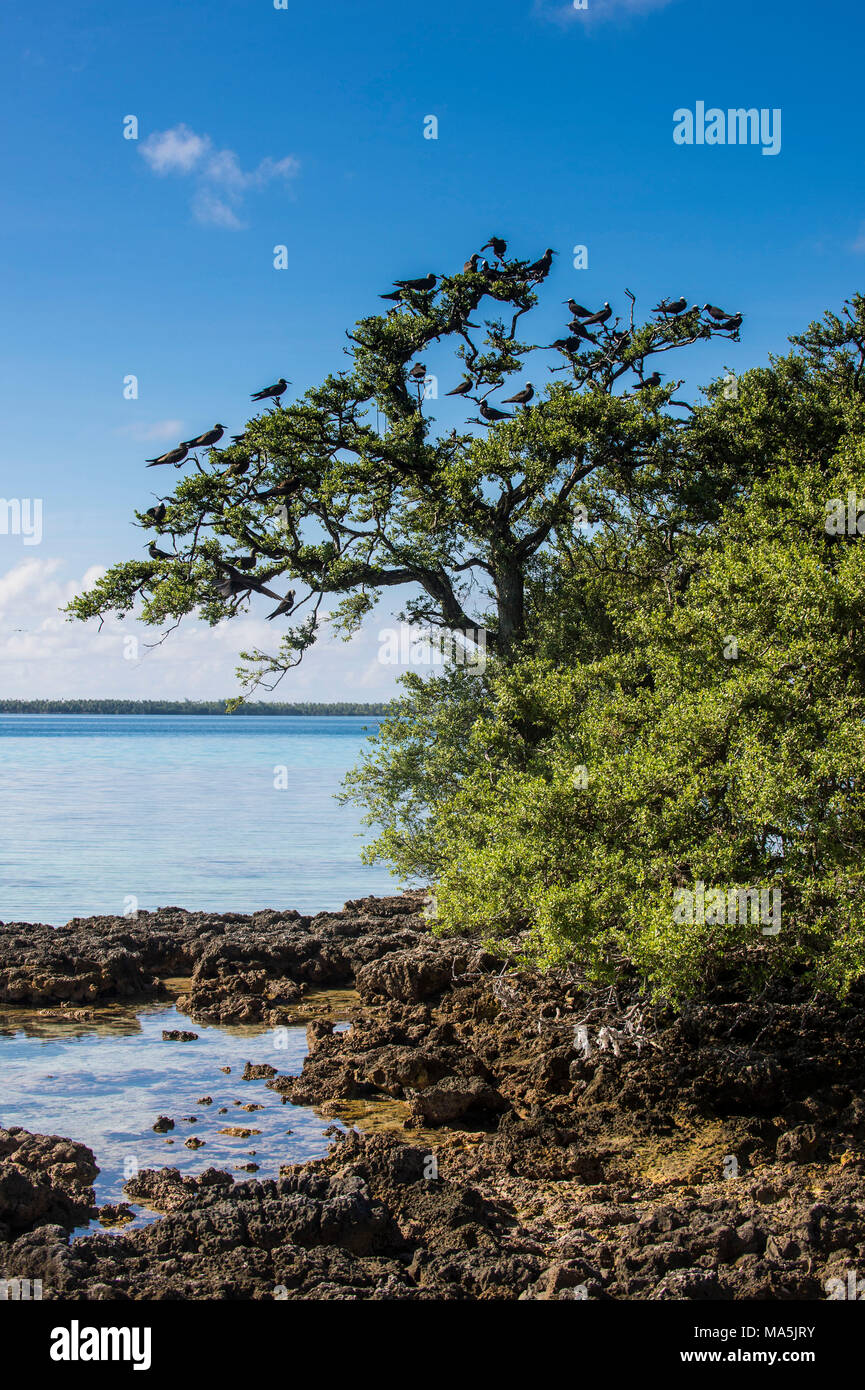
(352, 489)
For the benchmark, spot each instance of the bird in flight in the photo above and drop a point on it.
(173, 456)
(284, 606)
(464, 387)
(522, 397)
(490, 413)
(271, 392)
(205, 440)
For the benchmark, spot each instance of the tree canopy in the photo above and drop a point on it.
(688, 717)
(659, 768)
(320, 492)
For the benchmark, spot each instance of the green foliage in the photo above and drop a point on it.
(688, 707)
(323, 493)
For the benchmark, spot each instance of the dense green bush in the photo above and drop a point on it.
(688, 709)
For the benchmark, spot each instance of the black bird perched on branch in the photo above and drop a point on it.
(471, 264)
(173, 456)
(714, 312)
(578, 310)
(156, 554)
(567, 344)
(650, 382)
(733, 324)
(579, 330)
(228, 588)
(522, 397)
(670, 306)
(157, 513)
(247, 562)
(205, 440)
(498, 246)
(541, 269)
(426, 282)
(237, 583)
(238, 467)
(284, 606)
(418, 372)
(286, 489)
(600, 317)
(271, 392)
(464, 387)
(490, 413)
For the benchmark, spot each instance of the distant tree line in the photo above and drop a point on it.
(342, 707)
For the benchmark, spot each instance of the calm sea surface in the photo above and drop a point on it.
(99, 813)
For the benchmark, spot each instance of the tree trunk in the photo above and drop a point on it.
(510, 592)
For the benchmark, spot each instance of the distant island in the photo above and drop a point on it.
(342, 707)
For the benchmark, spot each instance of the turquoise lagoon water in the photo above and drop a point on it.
(168, 810)
(105, 1083)
(184, 811)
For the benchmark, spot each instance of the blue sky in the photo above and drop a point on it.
(304, 126)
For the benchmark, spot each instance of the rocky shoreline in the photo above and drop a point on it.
(519, 1137)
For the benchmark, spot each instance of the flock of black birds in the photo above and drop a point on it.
(235, 582)
(236, 577)
(582, 320)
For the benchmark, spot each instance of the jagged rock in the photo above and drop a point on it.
(44, 1179)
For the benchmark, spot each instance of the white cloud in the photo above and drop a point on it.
(221, 183)
(44, 656)
(211, 209)
(176, 151)
(562, 11)
(157, 430)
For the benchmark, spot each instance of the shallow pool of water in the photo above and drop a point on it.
(104, 1083)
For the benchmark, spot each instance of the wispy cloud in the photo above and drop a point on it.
(221, 183)
(859, 244)
(159, 430)
(42, 655)
(564, 11)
